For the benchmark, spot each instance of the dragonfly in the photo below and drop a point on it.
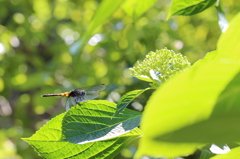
(79, 95)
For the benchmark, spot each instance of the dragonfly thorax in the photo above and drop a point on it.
(76, 92)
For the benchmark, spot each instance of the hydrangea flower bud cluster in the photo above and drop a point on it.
(159, 66)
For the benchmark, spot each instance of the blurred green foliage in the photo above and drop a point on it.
(35, 37)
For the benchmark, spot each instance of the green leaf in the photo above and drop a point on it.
(136, 8)
(92, 121)
(198, 106)
(225, 113)
(180, 7)
(104, 11)
(127, 98)
(144, 78)
(49, 144)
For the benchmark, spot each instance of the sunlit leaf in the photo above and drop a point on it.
(49, 144)
(92, 121)
(198, 106)
(180, 7)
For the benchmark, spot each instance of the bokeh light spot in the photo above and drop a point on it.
(94, 40)
(119, 26)
(1, 85)
(76, 35)
(100, 69)
(69, 36)
(178, 44)
(137, 106)
(2, 49)
(66, 58)
(123, 43)
(60, 11)
(141, 22)
(22, 68)
(127, 153)
(42, 9)
(113, 96)
(24, 98)
(8, 145)
(19, 79)
(19, 18)
(76, 15)
(115, 56)
(48, 81)
(14, 41)
(127, 73)
(69, 39)
(39, 109)
(5, 108)
(66, 32)
(37, 24)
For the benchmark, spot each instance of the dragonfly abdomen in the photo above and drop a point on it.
(66, 94)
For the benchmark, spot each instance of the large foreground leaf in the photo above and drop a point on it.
(49, 144)
(198, 106)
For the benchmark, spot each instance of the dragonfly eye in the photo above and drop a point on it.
(77, 93)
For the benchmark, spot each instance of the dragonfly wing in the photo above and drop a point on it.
(67, 104)
(88, 96)
(70, 103)
(93, 88)
(73, 100)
